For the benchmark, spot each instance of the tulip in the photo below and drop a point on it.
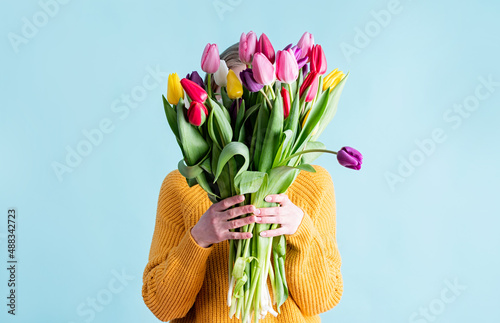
(287, 69)
(196, 78)
(265, 47)
(286, 102)
(220, 76)
(174, 89)
(318, 60)
(350, 158)
(234, 87)
(332, 79)
(210, 59)
(247, 46)
(194, 91)
(311, 81)
(263, 69)
(306, 43)
(197, 113)
(249, 81)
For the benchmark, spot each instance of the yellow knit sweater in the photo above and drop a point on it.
(184, 282)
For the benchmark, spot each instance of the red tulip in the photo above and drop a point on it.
(286, 102)
(318, 60)
(194, 91)
(265, 47)
(210, 59)
(197, 113)
(311, 80)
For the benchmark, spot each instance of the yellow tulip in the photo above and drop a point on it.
(234, 87)
(174, 90)
(332, 79)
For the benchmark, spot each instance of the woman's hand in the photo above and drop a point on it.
(287, 214)
(214, 224)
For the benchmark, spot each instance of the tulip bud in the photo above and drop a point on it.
(197, 113)
(306, 43)
(286, 102)
(246, 47)
(234, 87)
(210, 59)
(287, 69)
(263, 69)
(332, 79)
(174, 89)
(220, 76)
(350, 158)
(318, 60)
(195, 77)
(265, 47)
(194, 91)
(311, 81)
(249, 81)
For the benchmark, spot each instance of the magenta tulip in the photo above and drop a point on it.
(263, 69)
(287, 69)
(247, 46)
(210, 60)
(197, 113)
(318, 60)
(286, 102)
(311, 81)
(350, 158)
(265, 47)
(306, 43)
(194, 91)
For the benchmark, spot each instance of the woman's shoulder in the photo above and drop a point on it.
(312, 184)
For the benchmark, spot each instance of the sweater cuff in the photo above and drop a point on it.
(191, 252)
(306, 231)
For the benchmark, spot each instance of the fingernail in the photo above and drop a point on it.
(256, 211)
(257, 219)
(268, 198)
(263, 234)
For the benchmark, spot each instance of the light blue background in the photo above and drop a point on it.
(400, 247)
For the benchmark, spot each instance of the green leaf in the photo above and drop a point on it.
(239, 120)
(171, 115)
(229, 151)
(309, 158)
(259, 131)
(283, 148)
(225, 98)
(222, 122)
(306, 167)
(273, 133)
(194, 145)
(249, 181)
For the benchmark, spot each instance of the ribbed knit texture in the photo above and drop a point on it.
(184, 282)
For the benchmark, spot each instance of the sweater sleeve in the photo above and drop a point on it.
(313, 260)
(176, 267)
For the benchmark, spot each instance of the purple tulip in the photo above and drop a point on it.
(350, 158)
(249, 81)
(234, 109)
(196, 78)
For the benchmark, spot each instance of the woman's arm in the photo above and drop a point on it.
(175, 271)
(313, 260)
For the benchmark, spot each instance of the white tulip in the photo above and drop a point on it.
(220, 77)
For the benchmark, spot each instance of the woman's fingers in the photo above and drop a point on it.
(237, 211)
(227, 203)
(281, 198)
(269, 219)
(234, 224)
(238, 235)
(272, 210)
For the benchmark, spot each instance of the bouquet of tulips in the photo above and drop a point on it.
(253, 137)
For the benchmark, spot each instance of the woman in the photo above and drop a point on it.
(186, 278)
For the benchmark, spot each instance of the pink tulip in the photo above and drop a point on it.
(197, 113)
(311, 80)
(194, 91)
(263, 69)
(318, 60)
(306, 43)
(286, 102)
(265, 47)
(247, 46)
(210, 60)
(287, 69)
